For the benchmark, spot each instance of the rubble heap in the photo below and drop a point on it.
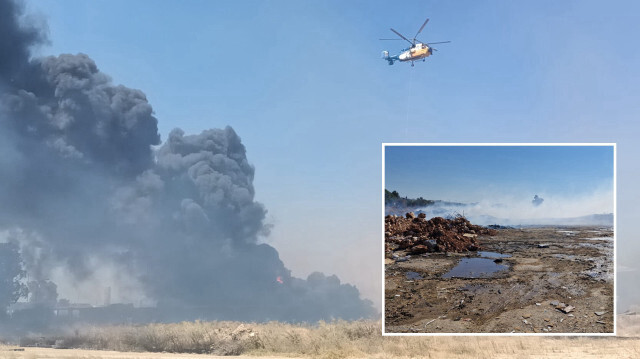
(416, 234)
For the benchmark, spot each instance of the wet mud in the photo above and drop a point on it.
(530, 280)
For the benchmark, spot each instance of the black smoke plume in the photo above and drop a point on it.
(91, 204)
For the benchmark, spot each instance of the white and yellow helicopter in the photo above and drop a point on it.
(418, 50)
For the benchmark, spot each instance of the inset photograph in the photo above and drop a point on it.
(499, 238)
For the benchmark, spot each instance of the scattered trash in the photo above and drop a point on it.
(429, 322)
(543, 246)
(538, 304)
(554, 303)
(600, 313)
(497, 226)
(566, 310)
(419, 249)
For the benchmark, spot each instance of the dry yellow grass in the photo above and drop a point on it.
(629, 325)
(330, 340)
(402, 347)
(46, 353)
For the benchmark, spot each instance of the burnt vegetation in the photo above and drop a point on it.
(393, 199)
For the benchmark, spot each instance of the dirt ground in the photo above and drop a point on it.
(548, 268)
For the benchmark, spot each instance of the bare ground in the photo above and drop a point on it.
(574, 267)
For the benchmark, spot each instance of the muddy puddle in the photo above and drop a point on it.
(413, 275)
(475, 268)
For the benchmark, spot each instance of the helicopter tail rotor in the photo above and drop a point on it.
(385, 56)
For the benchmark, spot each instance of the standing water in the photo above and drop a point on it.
(475, 268)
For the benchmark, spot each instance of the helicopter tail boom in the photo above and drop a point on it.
(390, 59)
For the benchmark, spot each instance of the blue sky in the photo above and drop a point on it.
(303, 84)
(475, 173)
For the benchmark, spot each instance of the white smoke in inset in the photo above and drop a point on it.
(595, 208)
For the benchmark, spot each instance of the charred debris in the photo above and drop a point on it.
(417, 235)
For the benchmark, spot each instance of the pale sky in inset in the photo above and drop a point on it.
(475, 173)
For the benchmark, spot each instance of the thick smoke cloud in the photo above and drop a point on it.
(91, 204)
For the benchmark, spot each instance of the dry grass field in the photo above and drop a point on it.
(327, 340)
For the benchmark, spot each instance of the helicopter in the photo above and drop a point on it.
(419, 50)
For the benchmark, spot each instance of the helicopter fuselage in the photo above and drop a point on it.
(416, 52)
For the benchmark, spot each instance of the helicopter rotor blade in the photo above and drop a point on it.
(399, 34)
(421, 27)
(390, 39)
(429, 43)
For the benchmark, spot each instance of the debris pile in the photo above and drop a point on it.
(417, 235)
